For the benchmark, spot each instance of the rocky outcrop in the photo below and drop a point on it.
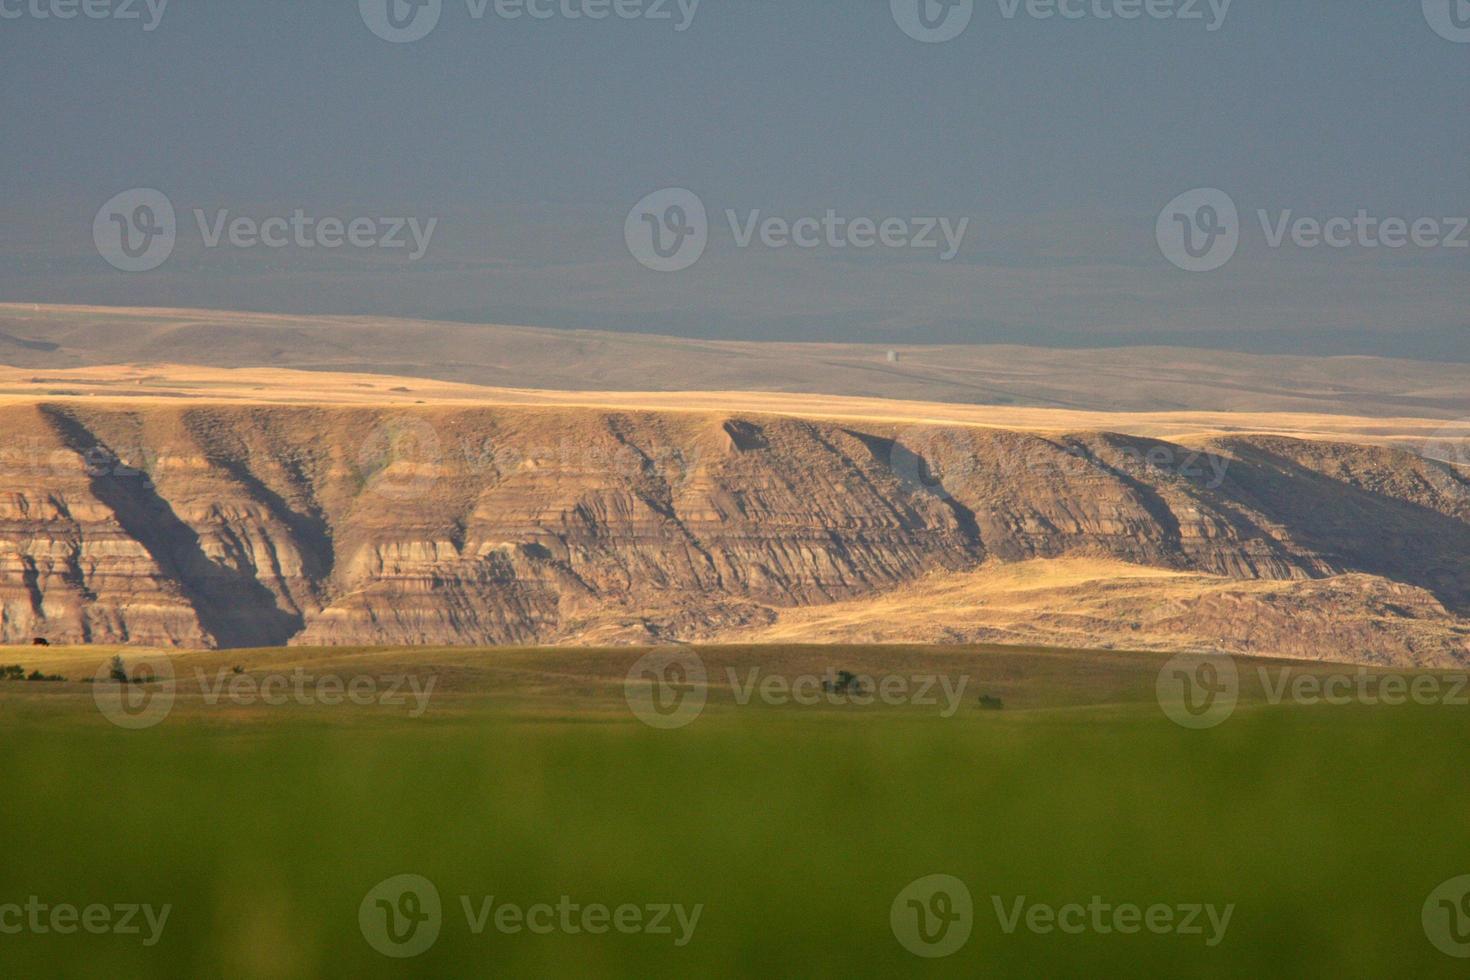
(250, 526)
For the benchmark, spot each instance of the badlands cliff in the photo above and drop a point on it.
(218, 525)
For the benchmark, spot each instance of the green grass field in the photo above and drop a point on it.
(793, 828)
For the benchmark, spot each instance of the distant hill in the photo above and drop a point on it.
(1152, 379)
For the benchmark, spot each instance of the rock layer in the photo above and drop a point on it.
(250, 526)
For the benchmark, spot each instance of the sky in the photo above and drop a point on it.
(1289, 176)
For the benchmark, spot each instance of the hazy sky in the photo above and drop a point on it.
(1060, 139)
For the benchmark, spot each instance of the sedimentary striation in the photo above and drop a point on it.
(201, 525)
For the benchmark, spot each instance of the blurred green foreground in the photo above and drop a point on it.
(1327, 828)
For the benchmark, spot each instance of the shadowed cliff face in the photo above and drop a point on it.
(230, 526)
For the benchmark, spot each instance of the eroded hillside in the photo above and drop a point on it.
(223, 525)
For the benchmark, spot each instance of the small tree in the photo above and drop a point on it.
(118, 670)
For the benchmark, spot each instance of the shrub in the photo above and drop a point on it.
(118, 670)
(991, 703)
(846, 682)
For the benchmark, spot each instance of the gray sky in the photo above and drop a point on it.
(529, 140)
